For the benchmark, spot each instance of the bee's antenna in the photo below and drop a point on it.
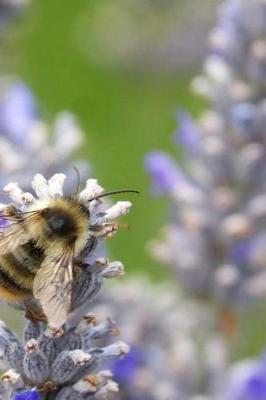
(78, 181)
(114, 192)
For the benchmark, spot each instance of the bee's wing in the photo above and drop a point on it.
(52, 286)
(13, 231)
(11, 238)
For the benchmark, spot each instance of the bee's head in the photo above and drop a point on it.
(59, 222)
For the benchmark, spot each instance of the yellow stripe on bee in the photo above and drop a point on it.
(12, 296)
(16, 271)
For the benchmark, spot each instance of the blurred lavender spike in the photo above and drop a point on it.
(214, 243)
(187, 134)
(164, 171)
(175, 351)
(25, 136)
(18, 112)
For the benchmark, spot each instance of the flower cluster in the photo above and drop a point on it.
(61, 367)
(62, 362)
(27, 143)
(216, 240)
(173, 355)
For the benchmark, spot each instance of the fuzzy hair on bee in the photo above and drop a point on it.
(45, 240)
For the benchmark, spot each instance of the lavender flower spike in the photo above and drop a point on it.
(215, 243)
(187, 134)
(61, 359)
(18, 112)
(164, 171)
(175, 352)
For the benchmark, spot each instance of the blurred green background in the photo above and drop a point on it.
(124, 112)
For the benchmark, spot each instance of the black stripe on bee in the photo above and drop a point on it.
(16, 269)
(30, 255)
(7, 282)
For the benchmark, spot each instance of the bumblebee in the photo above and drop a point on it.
(40, 249)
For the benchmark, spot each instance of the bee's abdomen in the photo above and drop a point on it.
(15, 284)
(15, 279)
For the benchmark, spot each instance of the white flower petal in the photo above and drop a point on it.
(56, 184)
(218, 70)
(120, 208)
(28, 198)
(68, 135)
(113, 269)
(91, 190)
(14, 192)
(40, 186)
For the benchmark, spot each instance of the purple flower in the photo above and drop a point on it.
(27, 395)
(229, 12)
(249, 381)
(17, 112)
(187, 135)
(125, 368)
(3, 222)
(243, 115)
(256, 388)
(163, 170)
(240, 251)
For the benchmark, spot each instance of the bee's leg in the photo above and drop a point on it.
(90, 246)
(109, 230)
(79, 264)
(33, 312)
(106, 230)
(34, 316)
(77, 269)
(10, 210)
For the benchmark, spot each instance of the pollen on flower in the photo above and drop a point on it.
(11, 376)
(31, 345)
(80, 357)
